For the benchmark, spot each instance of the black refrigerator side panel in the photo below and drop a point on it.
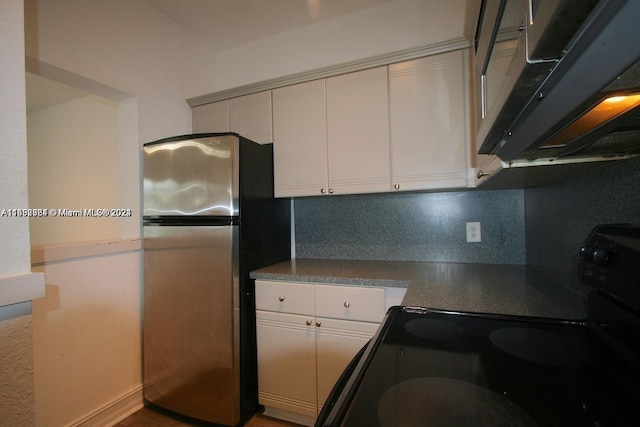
(265, 221)
(265, 238)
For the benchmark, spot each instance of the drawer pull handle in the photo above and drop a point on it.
(280, 299)
(347, 304)
(308, 322)
(318, 323)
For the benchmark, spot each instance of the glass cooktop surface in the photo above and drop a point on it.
(435, 368)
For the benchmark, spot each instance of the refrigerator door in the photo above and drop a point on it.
(191, 176)
(191, 321)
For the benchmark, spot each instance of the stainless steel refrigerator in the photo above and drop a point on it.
(209, 219)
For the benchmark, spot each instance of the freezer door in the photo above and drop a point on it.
(191, 321)
(192, 177)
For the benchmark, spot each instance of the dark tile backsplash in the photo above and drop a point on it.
(559, 217)
(431, 226)
(412, 227)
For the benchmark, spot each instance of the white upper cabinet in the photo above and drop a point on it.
(331, 136)
(250, 116)
(300, 140)
(213, 117)
(358, 132)
(401, 127)
(428, 106)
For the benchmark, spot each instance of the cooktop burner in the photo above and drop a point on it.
(434, 329)
(447, 402)
(451, 368)
(541, 346)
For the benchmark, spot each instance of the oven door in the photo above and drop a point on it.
(339, 387)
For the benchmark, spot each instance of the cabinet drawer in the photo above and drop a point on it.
(350, 302)
(284, 297)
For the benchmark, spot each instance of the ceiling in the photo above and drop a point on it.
(224, 24)
(220, 24)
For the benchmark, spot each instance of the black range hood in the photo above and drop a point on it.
(563, 117)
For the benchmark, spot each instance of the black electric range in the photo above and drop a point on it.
(430, 367)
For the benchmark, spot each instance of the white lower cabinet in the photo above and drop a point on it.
(303, 348)
(287, 363)
(337, 342)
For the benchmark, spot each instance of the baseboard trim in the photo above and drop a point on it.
(114, 412)
(284, 415)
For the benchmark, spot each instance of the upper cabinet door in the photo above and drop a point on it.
(428, 122)
(250, 116)
(358, 132)
(300, 140)
(212, 117)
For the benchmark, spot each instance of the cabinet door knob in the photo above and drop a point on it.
(281, 298)
(331, 191)
(323, 190)
(347, 304)
(396, 186)
(318, 323)
(308, 322)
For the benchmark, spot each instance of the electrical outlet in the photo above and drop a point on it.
(473, 232)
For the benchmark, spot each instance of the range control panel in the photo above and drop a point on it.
(610, 261)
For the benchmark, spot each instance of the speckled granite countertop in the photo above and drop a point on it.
(481, 288)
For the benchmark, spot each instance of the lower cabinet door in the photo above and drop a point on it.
(287, 362)
(337, 342)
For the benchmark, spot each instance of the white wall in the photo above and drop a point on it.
(391, 27)
(14, 254)
(74, 158)
(87, 340)
(16, 378)
(87, 352)
(127, 45)
(16, 369)
(87, 331)
(152, 65)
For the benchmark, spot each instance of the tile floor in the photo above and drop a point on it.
(153, 417)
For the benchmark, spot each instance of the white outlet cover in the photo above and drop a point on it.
(473, 232)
